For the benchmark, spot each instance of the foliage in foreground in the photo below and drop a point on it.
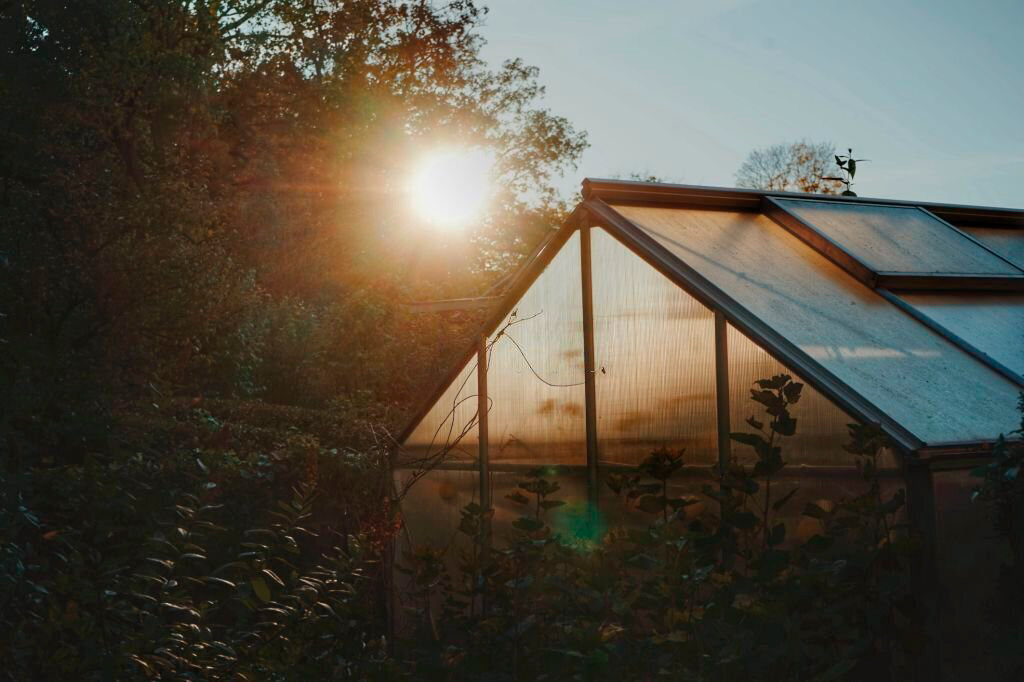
(712, 589)
(1002, 487)
(231, 556)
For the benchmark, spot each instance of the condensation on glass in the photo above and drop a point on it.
(903, 239)
(654, 348)
(1008, 243)
(991, 322)
(918, 378)
(821, 425)
(534, 379)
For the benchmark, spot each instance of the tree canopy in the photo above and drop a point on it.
(793, 167)
(205, 197)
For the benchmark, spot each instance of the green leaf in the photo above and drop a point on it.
(259, 586)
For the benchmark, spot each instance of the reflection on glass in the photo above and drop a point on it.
(1008, 243)
(991, 322)
(897, 238)
(821, 428)
(934, 389)
(655, 360)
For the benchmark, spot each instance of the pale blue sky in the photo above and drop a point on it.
(930, 91)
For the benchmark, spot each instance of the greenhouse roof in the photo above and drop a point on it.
(909, 315)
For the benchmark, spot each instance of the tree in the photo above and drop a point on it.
(188, 186)
(794, 167)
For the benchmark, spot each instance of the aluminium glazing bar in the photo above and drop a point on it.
(722, 390)
(588, 356)
(482, 408)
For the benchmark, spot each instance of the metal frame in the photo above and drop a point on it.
(589, 376)
(753, 327)
(733, 199)
(722, 390)
(594, 211)
(835, 252)
(528, 273)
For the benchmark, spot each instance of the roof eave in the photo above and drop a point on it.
(739, 199)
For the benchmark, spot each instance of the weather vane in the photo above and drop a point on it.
(848, 165)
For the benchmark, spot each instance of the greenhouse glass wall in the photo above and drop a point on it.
(644, 322)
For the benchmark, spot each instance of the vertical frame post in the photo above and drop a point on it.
(921, 515)
(588, 357)
(722, 390)
(481, 417)
(483, 459)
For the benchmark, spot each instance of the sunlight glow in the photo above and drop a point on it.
(451, 188)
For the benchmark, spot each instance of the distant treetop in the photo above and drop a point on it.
(792, 167)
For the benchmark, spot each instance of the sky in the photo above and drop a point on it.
(932, 92)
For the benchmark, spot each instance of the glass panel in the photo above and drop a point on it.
(821, 426)
(534, 380)
(969, 556)
(808, 485)
(897, 238)
(450, 423)
(918, 378)
(991, 322)
(655, 358)
(1007, 243)
(431, 506)
(568, 520)
(430, 515)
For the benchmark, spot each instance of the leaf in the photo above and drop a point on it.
(814, 511)
(551, 504)
(525, 523)
(273, 576)
(791, 391)
(518, 498)
(777, 535)
(779, 504)
(751, 439)
(744, 520)
(776, 382)
(784, 425)
(259, 586)
(652, 504)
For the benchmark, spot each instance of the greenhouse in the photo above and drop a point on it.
(645, 320)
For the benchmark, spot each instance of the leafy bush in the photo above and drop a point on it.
(207, 547)
(712, 588)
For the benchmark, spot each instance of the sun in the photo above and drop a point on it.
(451, 188)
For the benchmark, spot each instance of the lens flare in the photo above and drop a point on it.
(451, 188)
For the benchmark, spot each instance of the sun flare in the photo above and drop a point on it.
(451, 188)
